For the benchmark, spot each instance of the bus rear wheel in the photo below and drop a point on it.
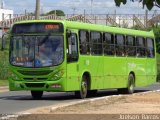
(130, 86)
(83, 90)
(36, 94)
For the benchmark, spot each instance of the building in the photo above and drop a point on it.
(6, 14)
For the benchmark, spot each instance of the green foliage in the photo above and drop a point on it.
(4, 64)
(118, 2)
(136, 27)
(158, 67)
(3, 83)
(156, 31)
(157, 37)
(58, 12)
(31, 14)
(158, 1)
(148, 3)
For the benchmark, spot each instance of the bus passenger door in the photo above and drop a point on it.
(72, 63)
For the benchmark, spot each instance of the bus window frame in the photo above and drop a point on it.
(140, 47)
(153, 43)
(105, 44)
(123, 54)
(97, 43)
(67, 48)
(86, 43)
(131, 46)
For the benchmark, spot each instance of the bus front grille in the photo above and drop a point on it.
(35, 73)
(34, 79)
(34, 85)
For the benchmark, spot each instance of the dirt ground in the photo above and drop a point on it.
(141, 104)
(148, 103)
(137, 104)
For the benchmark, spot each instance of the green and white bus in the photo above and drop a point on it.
(58, 55)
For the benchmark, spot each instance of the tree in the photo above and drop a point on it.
(148, 3)
(157, 37)
(58, 12)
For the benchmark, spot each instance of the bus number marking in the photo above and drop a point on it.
(87, 62)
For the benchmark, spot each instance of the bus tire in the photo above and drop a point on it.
(130, 86)
(36, 94)
(82, 93)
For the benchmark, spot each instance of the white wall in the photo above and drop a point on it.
(5, 14)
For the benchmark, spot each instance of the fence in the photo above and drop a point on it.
(121, 20)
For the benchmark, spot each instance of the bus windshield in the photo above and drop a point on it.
(36, 51)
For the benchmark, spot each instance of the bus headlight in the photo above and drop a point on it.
(15, 77)
(58, 75)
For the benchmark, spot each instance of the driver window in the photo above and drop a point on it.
(72, 49)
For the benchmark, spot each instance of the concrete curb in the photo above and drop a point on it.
(96, 99)
(4, 89)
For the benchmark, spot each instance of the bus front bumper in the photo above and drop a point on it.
(57, 85)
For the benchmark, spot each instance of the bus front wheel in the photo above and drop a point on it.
(130, 86)
(36, 94)
(83, 89)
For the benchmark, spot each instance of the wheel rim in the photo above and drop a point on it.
(131, 87)
(84, 88)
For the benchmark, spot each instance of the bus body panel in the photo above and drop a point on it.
(115, 72)
(151, 72)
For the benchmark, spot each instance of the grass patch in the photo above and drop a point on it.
(158, 67)
(3, 83)
(4, 65)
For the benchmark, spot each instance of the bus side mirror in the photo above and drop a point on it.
(4, 38)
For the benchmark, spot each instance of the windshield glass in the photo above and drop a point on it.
(36, 51)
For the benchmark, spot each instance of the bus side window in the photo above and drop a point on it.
(96, 43)
(84, 42)
(72, 48)
(140, 46)
(150, 48)
(130, 46)
(108, 44)
(120, 45)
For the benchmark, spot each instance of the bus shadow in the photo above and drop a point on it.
(66, 96)
(141, 91)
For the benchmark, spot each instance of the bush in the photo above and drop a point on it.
(158, 67)
(4, 65)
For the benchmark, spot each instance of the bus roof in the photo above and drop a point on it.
(95, 27)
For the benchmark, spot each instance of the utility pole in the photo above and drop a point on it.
(91, 7)
(37, 14)
(2, 5)
(74, 9)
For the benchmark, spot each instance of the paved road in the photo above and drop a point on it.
(14, 102)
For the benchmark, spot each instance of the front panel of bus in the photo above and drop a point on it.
(37, 56)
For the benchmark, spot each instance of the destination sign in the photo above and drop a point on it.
(29, 28)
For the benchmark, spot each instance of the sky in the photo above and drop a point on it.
(76, 6)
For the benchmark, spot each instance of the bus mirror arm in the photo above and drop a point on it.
(3, 41)
(69, 33)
